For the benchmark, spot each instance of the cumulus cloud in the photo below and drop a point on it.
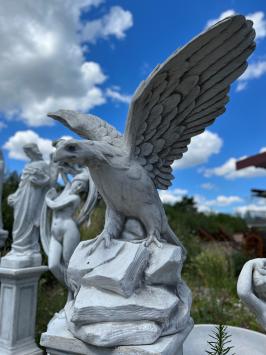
(202, 147)
(252, 208)
(206, 205)
(42, 64)
(254, 71)
(15, 144)
(117, 96)
(258, 18)
(172, 196)
(115, 23)
(228, 171)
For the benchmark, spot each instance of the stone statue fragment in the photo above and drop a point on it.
(251, 288)
(60, 222)
(27, 204)
(179, 99)
(3, 233)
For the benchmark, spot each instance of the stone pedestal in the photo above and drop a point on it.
(18, 302)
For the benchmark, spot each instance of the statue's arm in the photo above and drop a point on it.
(61, 203)
(245, 290)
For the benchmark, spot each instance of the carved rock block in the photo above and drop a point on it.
(150, 303)
(122, 274)
(82, 262)
(165, 265)
(109, 334)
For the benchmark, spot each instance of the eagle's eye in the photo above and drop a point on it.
(71, 148)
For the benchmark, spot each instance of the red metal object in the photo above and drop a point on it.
(259, 161)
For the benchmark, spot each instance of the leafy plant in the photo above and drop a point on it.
(220, 341)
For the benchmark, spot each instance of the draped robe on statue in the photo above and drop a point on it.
(27, 202)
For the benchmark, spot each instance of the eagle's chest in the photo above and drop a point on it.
(119, 187)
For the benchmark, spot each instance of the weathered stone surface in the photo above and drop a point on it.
(18, 302)
(122, 274)
(58, 340)
(165, 265)
(109, 334)
(150, 303)
(81, 262)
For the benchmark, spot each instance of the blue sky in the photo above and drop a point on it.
(90, 55)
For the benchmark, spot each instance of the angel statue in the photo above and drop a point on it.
(27, 203)
(179, 99)
(59, 224)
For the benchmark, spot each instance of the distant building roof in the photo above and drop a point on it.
(259, 161)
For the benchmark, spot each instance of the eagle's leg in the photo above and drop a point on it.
(114, 222)
(154, 237)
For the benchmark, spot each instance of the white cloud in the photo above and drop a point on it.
(115, 23)
(258, 19)
(202, 147)
(15, 144)
(115, 95)
(253, 209)
(42, 65)
(207, 186)
(254, 71)
(223, 15)
(172, 196)
(205, 205)
(228, 171)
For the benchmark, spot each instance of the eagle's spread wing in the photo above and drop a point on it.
(88, 126)
(185, 94)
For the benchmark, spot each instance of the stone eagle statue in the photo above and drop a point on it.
(179, 99)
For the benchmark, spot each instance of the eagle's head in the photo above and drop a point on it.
(70, 151)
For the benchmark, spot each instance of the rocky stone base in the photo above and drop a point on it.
(58, 340)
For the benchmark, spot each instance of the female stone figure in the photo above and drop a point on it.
(27, 203)
(60, 233)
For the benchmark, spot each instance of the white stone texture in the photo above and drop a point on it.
(58, 340)
(18, 301)
(165, 265)
(96, 305)
(122, 274)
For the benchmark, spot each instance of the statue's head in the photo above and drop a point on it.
(80, 182)
(68, 150)
(32, 151)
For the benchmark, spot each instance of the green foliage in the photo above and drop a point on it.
(184, 218)
(220, 343)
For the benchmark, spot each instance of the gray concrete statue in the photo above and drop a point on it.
(27, 203)
(60, 223)
(128, 291)
(3, 233)
(251, 288)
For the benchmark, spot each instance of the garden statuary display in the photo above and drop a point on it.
(3, 233)
(60, 223)
(251, 288)
(129, 297)
(27, 203)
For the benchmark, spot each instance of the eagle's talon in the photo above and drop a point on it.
(153, 239)
(103, 237)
